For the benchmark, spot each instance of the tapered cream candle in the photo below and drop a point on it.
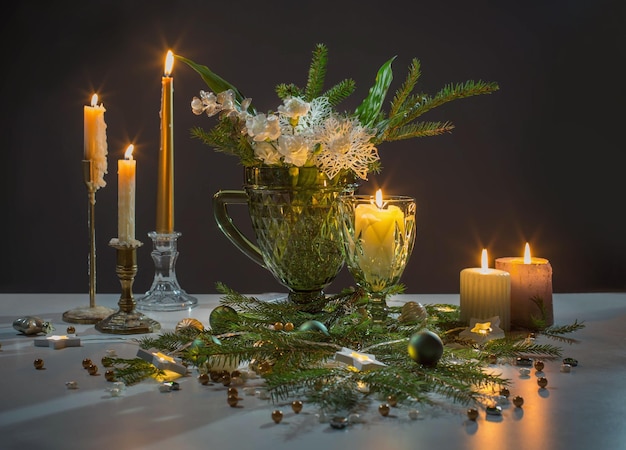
(165, 186)
(531, 289)
(126, 173)
(376, 225)
(95, 141)
(485, 293)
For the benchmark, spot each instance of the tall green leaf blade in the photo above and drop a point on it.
(216, 83)
(368, 111)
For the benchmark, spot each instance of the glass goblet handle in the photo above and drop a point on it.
(221, 200)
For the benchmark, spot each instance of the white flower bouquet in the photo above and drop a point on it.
(307, 129)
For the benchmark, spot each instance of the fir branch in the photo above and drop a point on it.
(420, 129)
(132, 371)
(285, 91)
(556, 332)
(317, 73)
(340, 92)
(403, 93)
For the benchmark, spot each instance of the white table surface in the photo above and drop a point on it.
(583, 409)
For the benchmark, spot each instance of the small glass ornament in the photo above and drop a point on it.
(30, 325)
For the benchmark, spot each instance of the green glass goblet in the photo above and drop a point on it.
(378, 238)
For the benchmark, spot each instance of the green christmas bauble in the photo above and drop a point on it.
(425, 347)
(222, 317)
(314, 325)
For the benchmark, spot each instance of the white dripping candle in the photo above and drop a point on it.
(126, 172)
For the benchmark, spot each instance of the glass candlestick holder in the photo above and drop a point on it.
(127, 320)
(91, 313)
(165, 293)
(378, 236)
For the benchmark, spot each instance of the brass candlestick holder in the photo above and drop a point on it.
(127, 320)
(165, 294)
(92, 313)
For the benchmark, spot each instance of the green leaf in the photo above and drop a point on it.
(216, 83)
(368, 111)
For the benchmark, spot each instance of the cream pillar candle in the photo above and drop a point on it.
(126, 170)
(485, 293)
(531, 289)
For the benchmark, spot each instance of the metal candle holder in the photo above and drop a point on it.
(165, 293)
(92, 313)
(127, 320)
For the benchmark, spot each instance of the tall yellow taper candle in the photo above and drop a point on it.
(165, 188)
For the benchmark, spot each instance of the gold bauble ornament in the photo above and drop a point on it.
(38, 363)
(189, 322)
(412, 312)
(86, 363)
(542, 382)
(518, 401)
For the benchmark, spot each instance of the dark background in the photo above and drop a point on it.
(540, 161)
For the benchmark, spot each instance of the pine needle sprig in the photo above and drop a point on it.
(557, 332)
(132, 371)
(398, 104)
(317, 72)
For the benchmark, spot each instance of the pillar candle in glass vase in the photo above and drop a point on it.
(485, 293)
(531, 290)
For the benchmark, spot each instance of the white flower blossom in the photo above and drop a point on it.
(266, 152)
(263, 127)
(294, 150)
(294, 108)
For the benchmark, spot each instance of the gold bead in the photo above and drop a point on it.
(505, 392)
(289, 326)
(278, 326)
(232, 400)
(86, 363)
(71, 330)
(392, 400)
(232, 391)
(38, 363)
(542, 382)
(472, 414)
(384, 409)
(203, 378)
(296, 405)
(277, 415)
(109, 375)
(518, 401)
(92, 369)
(539, 365)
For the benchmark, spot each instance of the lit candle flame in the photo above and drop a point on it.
(94, 100)
(129, 152)
(169, 63)
(527, 254)
(484, 261)
(379, 198)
